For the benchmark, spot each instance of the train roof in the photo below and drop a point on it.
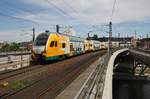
(62, 34)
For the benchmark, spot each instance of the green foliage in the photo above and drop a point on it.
(5, 47)
(10, 47)
(95, 37)
(16, 85)
(14, 46)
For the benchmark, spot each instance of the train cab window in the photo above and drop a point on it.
(41, 39)
(52, 44)
(55, 43)
(63, 45)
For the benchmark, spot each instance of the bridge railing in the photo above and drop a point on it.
(13, 58)
(141, 52)
(14, 62)
(5, 54)
(15, 65)
(94, 85)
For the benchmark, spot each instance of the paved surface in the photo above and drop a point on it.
(71, 91)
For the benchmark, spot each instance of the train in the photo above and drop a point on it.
(53, 46)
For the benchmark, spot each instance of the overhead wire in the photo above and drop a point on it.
(11, 8)
(22, 19)
(21, 8)
(111, 18)
(71, 7)
(17, 18)
(59, 9)
(113, 10)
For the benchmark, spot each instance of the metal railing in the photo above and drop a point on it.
(15, 65)
(4, 54)
(140, 52)
(13, 58)
(93, 87)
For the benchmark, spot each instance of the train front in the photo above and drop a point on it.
(39, 46)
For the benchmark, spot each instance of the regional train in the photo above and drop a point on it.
(53, 46)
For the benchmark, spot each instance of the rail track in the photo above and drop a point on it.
(12, 73)
(55, 88)
(56, 76)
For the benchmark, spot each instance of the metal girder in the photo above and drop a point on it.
(141, 56)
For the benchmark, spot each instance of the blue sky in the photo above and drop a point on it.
(18, 17)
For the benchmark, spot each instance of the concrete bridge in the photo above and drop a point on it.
(124, 64)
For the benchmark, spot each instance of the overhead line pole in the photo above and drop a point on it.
(57, 28)
(110, 28)
(110, 37)
(33, 34)
(147, 41)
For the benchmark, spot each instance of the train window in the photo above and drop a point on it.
(41, 40)
(52, 44)
(55, 43)
(63, 45)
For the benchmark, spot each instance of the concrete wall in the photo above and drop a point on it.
(107, 92)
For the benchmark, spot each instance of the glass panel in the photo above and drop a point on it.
(41, 40)
(63, 45)
(52, 44)
(55, 43)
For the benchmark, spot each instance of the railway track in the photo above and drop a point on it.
(54, 89)
(12, 73)
(54, 75)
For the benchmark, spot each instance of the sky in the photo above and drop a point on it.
(18, 17)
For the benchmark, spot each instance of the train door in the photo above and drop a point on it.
(52, 46)
(71, 47)
(63, 45)
(72, 50)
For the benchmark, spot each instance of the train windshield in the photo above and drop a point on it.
(41, 40)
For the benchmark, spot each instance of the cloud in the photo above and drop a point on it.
(132, 10)
(90, 11)
(16, 35)
(83, 12)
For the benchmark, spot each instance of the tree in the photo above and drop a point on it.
(95, 37)
(14, 46)
(5, 48)
(10, 47)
